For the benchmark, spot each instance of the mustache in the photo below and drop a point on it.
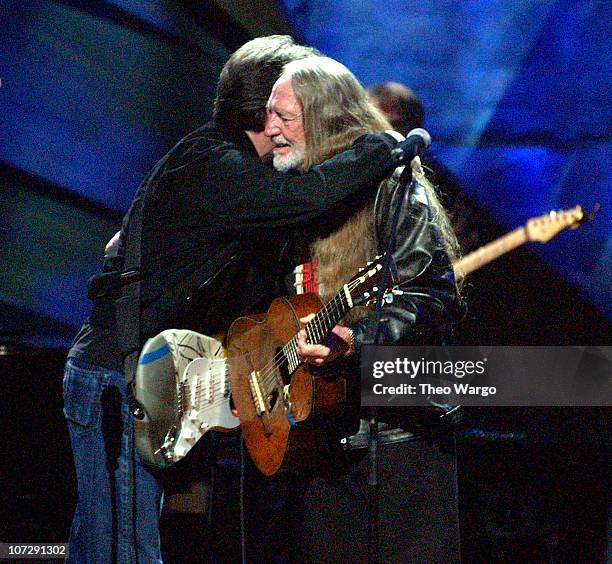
(280, 140)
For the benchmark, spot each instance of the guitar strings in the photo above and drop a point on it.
(214, 393)
(314, 331)
(199, 388)
(289, 351)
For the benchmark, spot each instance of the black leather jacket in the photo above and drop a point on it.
(427, 306)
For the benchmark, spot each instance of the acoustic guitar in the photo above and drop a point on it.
(282, 404)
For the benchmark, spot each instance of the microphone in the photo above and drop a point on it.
(415, 143)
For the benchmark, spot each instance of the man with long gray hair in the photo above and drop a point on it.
(318, 108)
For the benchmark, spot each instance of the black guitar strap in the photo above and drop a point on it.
(128, 305)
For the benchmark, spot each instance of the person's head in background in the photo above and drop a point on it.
(399, 104)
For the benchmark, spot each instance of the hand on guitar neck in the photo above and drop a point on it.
(338, 343)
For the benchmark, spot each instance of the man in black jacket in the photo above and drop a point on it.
(211, 220)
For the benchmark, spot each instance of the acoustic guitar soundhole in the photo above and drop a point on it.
(272, 399)
(282, 369)
(282, 379)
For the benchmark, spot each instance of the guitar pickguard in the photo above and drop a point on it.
(206, 392)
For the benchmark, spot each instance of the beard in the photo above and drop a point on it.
(291, 160)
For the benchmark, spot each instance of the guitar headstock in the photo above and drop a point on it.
(545, 227)
(363, 287)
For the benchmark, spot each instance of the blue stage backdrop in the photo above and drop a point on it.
(92, 93)
(518, 99)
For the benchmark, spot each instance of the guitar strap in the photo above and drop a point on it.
(128, 305)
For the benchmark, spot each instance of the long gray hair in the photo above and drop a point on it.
(336, 111)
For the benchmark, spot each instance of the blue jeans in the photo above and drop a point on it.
(101, 434)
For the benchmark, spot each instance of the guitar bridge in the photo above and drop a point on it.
(258, 400)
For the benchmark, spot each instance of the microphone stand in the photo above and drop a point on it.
(373, 487)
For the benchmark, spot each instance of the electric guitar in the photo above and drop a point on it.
(182, 387)
(282, 404)
(542, 229)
